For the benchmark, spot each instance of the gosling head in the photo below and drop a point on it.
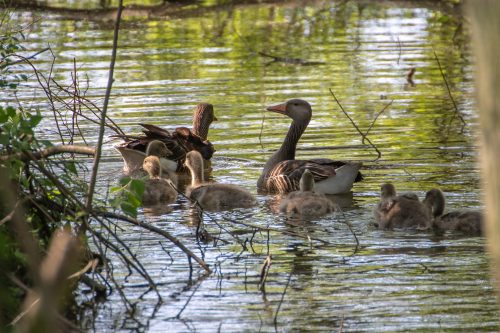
(434, 199)
(387, 190)
(158, 148)
(194, 160)
(306, 181)
(152, 166)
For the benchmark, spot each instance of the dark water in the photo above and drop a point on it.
(393, 281)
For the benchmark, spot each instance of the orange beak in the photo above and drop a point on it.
(280, 108)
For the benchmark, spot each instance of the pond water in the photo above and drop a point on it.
(394, 280)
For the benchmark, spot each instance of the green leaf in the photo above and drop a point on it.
(133, 199)
(70, 166)
(124, 181)
(137, 186)
(11, 111)
(35, 120)
(3, 115)
(129, 209)
(115, 189)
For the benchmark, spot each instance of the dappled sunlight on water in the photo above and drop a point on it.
(392, 280)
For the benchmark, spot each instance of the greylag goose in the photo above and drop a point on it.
(282, 172)
(157, 189)
(179, 142)
(214, 196)
(403, 211)
(306, 202)
(466, 222)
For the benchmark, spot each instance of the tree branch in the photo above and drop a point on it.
(59, 149)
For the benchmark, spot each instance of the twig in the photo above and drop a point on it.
(399, 50)
(409, 76)
(379, 154)
(9, 216)
(156, 230)
(24, 59)
(281, 301)
(457, 112)
(264, 271)
(375, 119)
(95, 167)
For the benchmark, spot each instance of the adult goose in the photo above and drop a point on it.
(157, 189)
(306, 202)
(401, 211)
(214, 196)
(470, 223)
(179, 142)
(282, 172)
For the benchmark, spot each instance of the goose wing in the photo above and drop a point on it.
(181, 141)
(285, 176)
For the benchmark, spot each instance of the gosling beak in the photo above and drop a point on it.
(280, 108)
(215, 118)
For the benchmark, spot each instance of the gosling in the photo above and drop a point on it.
(402, 212)
(159, 148)
(214, 196)
(306, 202)
(470, 223)
(157, 189)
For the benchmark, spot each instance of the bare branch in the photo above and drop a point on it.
(59, 149)
(95, 168)
(379, 154)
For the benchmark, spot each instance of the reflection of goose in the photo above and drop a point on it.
(282, 171)
(157, 189)
(305, 202)
(466, 222)
(213, 196)
(403, 211)
(182, 140)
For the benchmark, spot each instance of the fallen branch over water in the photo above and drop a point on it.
(41, 154)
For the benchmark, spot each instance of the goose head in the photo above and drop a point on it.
(306, 181)
(152, 166)
(387, 190)
(158, 148)
(434, 199)
(297, 109)
(203, 116)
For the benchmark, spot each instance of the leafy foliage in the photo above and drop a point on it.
(128, 196)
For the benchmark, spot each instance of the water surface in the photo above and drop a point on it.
(392, 281)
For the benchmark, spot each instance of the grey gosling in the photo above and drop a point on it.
(157, 189)
(306, 202)
(159, 149)
(469, 223)
(403, 211)
(214, 196)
